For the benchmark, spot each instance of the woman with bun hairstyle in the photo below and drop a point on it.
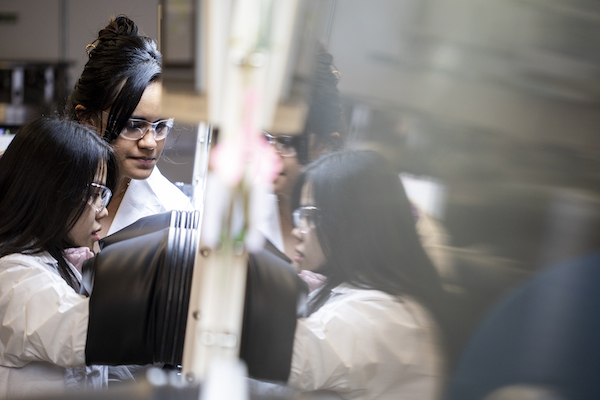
(375, 327)
(119, 94)
(50, 219)
(324, 131)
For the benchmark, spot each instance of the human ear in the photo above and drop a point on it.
(84, 117)
(79, 111)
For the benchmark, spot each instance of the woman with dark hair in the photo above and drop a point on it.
(375, 326)
(324, 131)
(56, 178)
(119, 94)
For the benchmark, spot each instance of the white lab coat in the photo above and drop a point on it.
(366, 344)
(148, 197)
(43, 328)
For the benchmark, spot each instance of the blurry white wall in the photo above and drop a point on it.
(59, 30)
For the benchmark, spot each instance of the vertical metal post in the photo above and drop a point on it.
(246, 57)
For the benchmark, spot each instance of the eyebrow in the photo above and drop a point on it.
(145, 119)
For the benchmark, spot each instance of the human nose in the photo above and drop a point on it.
(148, 141)
(297, 233)
(103, 213)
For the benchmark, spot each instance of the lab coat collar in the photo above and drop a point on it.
(45, 258)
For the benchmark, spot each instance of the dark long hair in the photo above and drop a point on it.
(325, 114)
(122, 64)
(367, 230)
(45, 177)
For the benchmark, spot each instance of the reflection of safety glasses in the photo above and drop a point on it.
(285, 145)
(100, 196)
(305, 217)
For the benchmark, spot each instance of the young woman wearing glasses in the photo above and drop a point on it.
(119, 93)
(374, 326)
(49, 217)
(324, 132)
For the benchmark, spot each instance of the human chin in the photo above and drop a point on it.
(296, 265)
(138, 168)
(91, 242)
(279, 184)
(302, 261)
(84, 233)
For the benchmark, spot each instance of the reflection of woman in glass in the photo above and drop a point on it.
(119, 93)
(373, 330)
(56, 178)
(324, 132)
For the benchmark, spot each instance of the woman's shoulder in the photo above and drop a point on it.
(346, 293)
(30, 260)
(356, 305)
(29, 268)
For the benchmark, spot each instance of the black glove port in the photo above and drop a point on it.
(139, 287)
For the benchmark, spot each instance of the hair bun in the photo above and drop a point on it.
(119, 26)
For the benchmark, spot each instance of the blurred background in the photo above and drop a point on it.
(489, 110)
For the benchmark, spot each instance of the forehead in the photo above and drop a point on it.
(150, 104)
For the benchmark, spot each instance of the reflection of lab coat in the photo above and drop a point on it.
(269, 225)
(43, 330)
(148, 197)
(365, 344)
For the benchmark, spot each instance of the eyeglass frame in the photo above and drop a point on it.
(170, 122)
(297, 217)
(105, 196)
(278, 140)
